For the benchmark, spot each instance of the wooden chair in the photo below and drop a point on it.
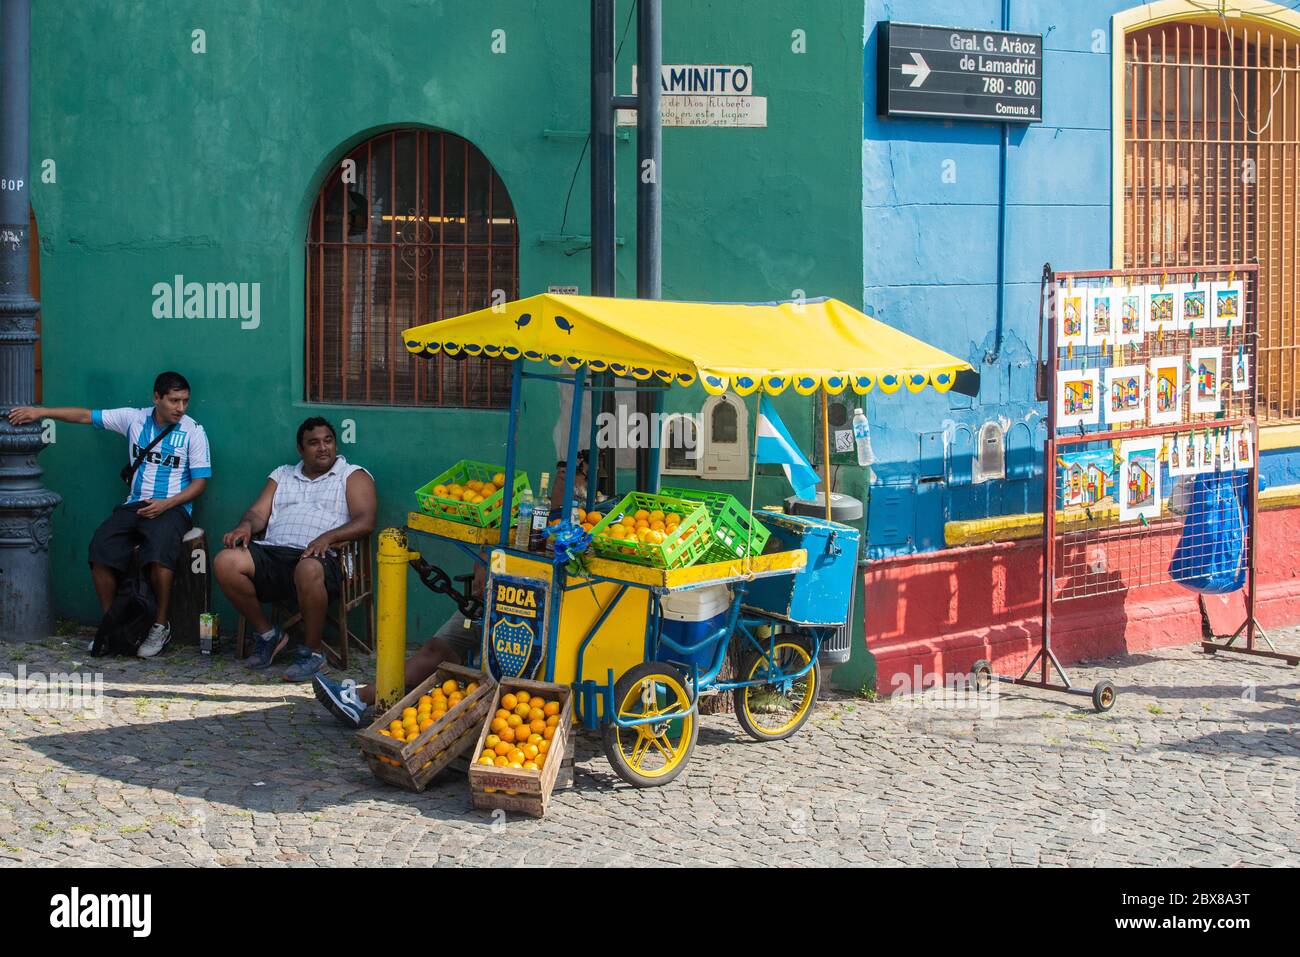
(357, 589)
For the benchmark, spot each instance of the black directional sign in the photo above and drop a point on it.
(959, 74)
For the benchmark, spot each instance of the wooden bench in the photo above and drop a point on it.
(357, 590)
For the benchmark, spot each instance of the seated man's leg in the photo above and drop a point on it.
(250, 576)
(348, 702)
(317, 582)
(110, 553)
(160, 550)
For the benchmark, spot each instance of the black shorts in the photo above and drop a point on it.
(159, 538)
(273, 567)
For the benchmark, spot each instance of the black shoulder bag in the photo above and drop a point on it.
(128, 471)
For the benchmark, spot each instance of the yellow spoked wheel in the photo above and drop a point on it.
(777, 709)
(651, 754)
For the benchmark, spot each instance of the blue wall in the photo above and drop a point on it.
(930, 260)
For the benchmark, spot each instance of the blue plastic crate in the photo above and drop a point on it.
(820, 594)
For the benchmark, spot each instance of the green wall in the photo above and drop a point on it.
(208, 164)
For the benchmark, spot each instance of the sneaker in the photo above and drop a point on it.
(155, 641)
(265, 650)
(342, 701)
(305, 664)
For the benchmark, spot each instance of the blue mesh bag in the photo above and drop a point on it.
(1210, 555)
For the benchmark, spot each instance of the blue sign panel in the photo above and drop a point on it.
(515, 636)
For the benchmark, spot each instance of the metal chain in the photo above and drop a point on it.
(438, 581)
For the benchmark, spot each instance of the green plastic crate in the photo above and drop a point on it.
(678, 550)
(733, 525)
(484, 514)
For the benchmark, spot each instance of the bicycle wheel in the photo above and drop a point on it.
(777, 709)
(652, 754)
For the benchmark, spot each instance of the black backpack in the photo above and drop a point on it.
(127, 620)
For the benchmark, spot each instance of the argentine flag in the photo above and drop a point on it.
(776, 447)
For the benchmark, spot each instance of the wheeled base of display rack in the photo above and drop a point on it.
(1103, 693)
(1250, 628)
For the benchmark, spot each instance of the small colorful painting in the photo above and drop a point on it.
(1207, 380)
(1087, 477)
(1101, 315)
(1240, 370)
(1193, 306)
(1229, 304)
(1126, 394)
(1205, 449)
(1077, 400)
(1243, 449)
(1160, 311)
(1166, 390)
(1071, 308)
(1132, 302)
(1138, 489)
(1179, 454)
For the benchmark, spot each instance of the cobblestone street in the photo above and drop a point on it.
(193, 762)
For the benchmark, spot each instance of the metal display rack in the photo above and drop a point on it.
(1087, 550)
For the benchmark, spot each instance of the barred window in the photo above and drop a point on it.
(411, 226)
(1211, 151)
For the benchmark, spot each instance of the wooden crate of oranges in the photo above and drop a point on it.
(521, 746)
(430, 728)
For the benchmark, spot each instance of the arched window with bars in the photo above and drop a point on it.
(412, 226)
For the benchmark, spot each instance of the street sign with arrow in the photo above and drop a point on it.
(957, 73)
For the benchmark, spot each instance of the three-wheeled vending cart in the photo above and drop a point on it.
(599, 611)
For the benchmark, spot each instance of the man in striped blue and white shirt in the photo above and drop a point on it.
(162, 488)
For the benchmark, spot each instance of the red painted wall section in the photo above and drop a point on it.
(943, 611)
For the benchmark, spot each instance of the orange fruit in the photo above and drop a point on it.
(500, 762)
(508, 702)
(531, 766)
(543, 747)
(491, 741)
(523, 697)
(385, 732)
(440, 490)
(535, 738)
(531, 751)
(499, 725)
(508, 735)
(449, 687)
(535, 712)
(499, 479)
(490, 754)
(471, 688)
(408, 713)
(503, 713)
(426, 724)
(502, 748)
(521, 710)
(514, 721)
(437, 713)
(516, 755)
(552, 720)
(517, 766)
(549, 733)
(538, 726)
(551, 708)
(488, 761)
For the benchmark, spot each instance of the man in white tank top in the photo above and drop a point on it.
(283, 547)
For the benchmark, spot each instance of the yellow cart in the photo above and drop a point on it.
(599, 627)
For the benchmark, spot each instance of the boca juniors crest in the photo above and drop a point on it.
(515, 636)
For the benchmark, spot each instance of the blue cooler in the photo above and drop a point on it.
(688, 618)
(820, 594)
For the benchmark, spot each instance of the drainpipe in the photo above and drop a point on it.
(25, 505)
(649, 201)
(992, 355)
(603, 279)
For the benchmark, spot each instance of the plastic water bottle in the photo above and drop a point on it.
(862, 438)
(524, 522)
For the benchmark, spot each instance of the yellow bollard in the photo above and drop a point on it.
(390, 654)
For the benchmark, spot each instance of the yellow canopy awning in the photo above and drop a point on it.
(804, 345)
